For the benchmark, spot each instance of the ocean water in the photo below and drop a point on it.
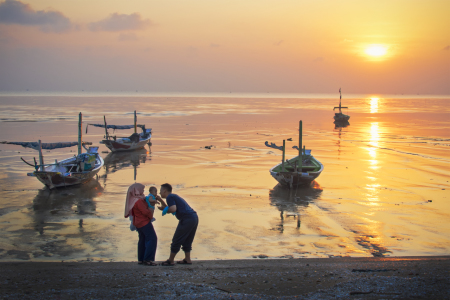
(384, 190)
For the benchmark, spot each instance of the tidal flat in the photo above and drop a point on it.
(384, 191)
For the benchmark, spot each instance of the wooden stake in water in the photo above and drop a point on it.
(79, 133)
(282, 160)
(41, 158)
(135, 122)
(300, 147)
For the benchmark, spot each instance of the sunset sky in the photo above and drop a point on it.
(287, 46)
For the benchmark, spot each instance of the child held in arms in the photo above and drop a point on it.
(141, 209)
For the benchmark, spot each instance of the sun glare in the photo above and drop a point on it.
(376, 50)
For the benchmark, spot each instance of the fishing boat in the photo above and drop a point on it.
(298, 171)
(340, 117)
(132, 142)
(71, 171)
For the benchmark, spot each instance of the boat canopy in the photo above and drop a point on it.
(116, 126)
(46, 146)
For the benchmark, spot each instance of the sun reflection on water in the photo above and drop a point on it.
(373, 143)
(374, 105)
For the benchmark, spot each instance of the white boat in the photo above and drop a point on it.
(295, 171)
(132, 142)
(71, 171)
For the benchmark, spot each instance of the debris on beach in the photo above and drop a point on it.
(209, 147)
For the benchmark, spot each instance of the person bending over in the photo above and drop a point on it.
(187, 224)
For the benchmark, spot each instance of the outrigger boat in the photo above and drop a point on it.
(71, 171)
(297, 171)
(340, 117)
(133, 142)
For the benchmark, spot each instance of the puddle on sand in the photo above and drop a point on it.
(372, 198)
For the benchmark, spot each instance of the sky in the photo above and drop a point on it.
(255, 46)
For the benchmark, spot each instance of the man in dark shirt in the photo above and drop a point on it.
(187, 225)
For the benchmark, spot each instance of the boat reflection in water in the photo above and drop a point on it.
(341, 124)
(290, 202)
(53, 207)
(116, 161)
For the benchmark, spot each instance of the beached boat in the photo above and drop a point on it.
(71, 171)
(297, 171)
(339, 116)
(133, 142)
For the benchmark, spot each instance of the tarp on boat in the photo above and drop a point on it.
(115, 126)
(46, 146)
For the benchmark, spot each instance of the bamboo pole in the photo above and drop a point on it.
(106, 129)
(135, 122)
(282, 160)
(41, 158)
(300, 146)
(79, 133)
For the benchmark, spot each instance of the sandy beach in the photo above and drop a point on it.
(330, 278)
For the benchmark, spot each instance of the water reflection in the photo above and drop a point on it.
(372, 187)
(374, 105)
(341, 124)
(65, 203)
(116, 161)
(373, 142)
(338, 128)
(290, 201)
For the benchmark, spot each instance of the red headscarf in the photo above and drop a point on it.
(135, 192)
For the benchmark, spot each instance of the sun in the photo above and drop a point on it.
(376, 50)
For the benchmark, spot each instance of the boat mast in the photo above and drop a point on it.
(41, 158)
(340, 99)
(300, 147)
(283, 157)
(135, 122)
(79, 133)
(106, 128)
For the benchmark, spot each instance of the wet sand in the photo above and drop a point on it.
(329, 278)
(384, 190)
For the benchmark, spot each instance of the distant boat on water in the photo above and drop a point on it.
(297, 171)
(340, 117)
(132, 142)
(71, 171)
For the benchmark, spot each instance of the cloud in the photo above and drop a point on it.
(278, 43)
(120, 22)
(16, 12)
(124, 37)
(447, 48)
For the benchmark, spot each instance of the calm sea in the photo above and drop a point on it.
(384, 190)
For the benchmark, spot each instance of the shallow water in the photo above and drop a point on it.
(384, 190)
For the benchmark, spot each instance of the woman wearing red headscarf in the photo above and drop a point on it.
(136, 206)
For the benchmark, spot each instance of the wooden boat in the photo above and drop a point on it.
(297, 171)
(71, 171)
(133, 142)
(340, 117)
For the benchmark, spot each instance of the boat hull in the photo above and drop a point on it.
(295, 179)
(341, 117)
(53, 179)
(119, 145)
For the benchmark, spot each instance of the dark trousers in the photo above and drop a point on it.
(147, 243)
(184, 234)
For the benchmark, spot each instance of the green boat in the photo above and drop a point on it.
(295, 171)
